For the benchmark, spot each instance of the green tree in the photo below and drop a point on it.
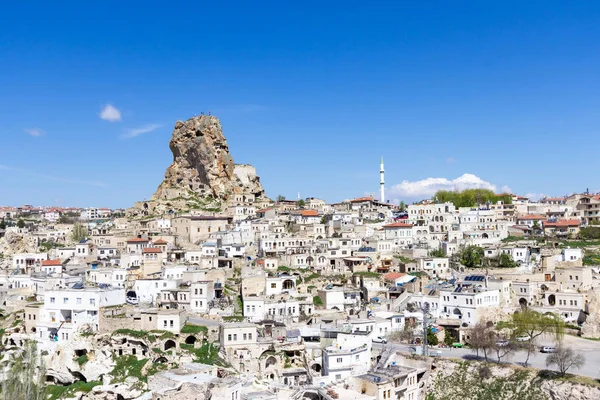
(21, 224)
(431, 337)
(402, 206)
(448, 338)
(471, 256)
(280, 198)
(470, 197)
(79, 232)
(533, 324)
(506, 261)
(3, 224)
(301, 203)
(590, 233)
(439, 252)
(25, 379)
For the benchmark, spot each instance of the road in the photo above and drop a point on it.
(589, 348)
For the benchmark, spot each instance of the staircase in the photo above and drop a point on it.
(399, 303)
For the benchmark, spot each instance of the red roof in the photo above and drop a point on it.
(137, 240)
(562, 223)
(361, 199)
(309, 213)
(264, 210)
(152, 250)
(392, 276)
(160, 241)
(398, 225)
(51, 263)
(533, 217)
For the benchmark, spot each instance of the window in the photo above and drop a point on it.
(235, 336)
(229, 338)
(245, 336)
(339, 360)
(66, 300)
(78, 301)
(171, 323)
(165, 323)
(92, 302)
(273, 285)
(249, 336)
(52, 300)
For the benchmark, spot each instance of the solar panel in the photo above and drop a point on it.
(78, 285)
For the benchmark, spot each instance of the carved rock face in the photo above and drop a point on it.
(202, 164)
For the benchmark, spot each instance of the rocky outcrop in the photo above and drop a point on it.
(591, 326)
(203, 165)
(465, 380)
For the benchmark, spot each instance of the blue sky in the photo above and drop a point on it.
(311, 93)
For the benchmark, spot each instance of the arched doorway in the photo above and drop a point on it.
(523, 302)
(270, 361)
(190, 340)
(169, 344)
(316, 367)
(552, 300)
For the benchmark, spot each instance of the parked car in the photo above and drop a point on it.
(379, 339)
(502, 343)
(547, 349)
(523, 338)
(457, 345)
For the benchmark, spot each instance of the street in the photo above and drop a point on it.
(589, 348)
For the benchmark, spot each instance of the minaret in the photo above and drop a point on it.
(381, 181)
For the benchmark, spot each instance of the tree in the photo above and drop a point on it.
(471, 256)
(565, 358)
(405, 335)
(504, 349)
(506, 261)
(79, 232)
(482, 339)
(301, 203)
(448, 338)
(2, 224)
(432, 339)
(402, 206)
(590, 233)
(280, 198)
(470, 197)
(439, 252)
(26, 375)
(21, 224)
(534, 324)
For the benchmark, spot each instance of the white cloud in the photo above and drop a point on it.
(35, 132)
(535, 196)
(52, 177)
(135, 132)
(427, 187)
(506, 189)
(450, 160)
(110, 113)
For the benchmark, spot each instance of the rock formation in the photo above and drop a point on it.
(202, 164)
(203, 175)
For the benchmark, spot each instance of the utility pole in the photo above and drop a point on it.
(425, 310)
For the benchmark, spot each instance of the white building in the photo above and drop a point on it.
(148, 290)
(67, 310)
(349, 356)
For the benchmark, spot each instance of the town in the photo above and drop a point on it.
(210, 289)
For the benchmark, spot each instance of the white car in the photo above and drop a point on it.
(379, 339)
(524, 338)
